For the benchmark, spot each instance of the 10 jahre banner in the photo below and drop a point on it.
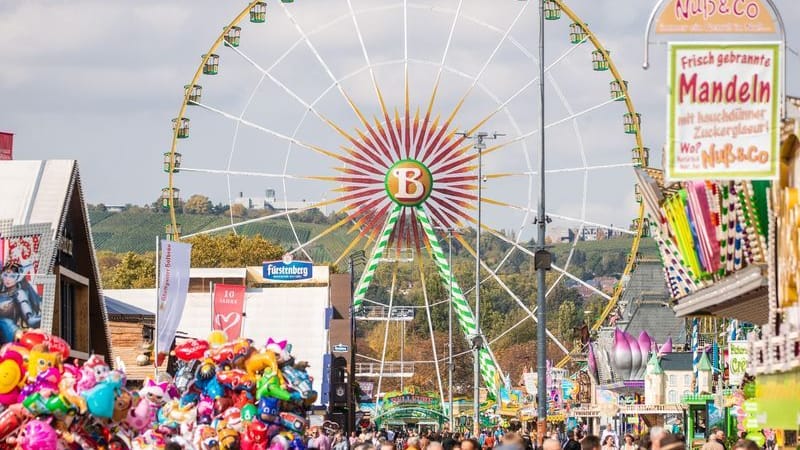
(723, 111)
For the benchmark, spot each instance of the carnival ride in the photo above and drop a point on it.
(303, 89)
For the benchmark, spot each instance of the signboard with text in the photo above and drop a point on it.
(738, 355)
(715, 17)
(723, 111)
(287, 271)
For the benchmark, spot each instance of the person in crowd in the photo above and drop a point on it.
(629, 443)
(590, 442)
(353, 439)
(672, 442)
(572, 442)
(656, 435)
(769, 435)
(388, 446)
(435, 445)
(512, 441)
(448, 442)
(608, 443)
(721, 438)
(412, 443)
(339, 442)
(609, 431)
(746, 444)
(470, 444)
(424, 441)
(713, 441)
(551, 444)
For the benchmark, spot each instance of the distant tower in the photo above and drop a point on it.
(654, 386)
(705, 375)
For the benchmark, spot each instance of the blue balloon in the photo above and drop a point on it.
(100, 399)
(213, 389)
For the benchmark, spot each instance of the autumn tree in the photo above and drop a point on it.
(132, 271)
(232, 250)
(197, 204)
(238, 210)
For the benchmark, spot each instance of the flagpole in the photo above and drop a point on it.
(211, 287)
(155, 330)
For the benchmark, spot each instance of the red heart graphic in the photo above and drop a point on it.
(227, 322)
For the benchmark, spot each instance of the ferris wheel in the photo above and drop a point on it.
(369, 108)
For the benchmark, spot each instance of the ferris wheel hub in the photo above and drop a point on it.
(409, 182)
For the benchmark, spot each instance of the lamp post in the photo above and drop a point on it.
(542, 258)
(477, 340)
(450, 366)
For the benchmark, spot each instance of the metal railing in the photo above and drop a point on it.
(391, 369)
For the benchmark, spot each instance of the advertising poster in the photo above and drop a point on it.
(723, 111)
(228, 310)
(20, 296)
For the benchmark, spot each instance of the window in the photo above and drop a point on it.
(67, 308)
(686, 393)
(672, 397)
(673, 380)
(687, 380)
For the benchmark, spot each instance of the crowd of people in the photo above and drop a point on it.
(656, 438)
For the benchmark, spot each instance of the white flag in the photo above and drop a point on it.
(173, 286)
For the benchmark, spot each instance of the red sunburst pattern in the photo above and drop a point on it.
(369, 155)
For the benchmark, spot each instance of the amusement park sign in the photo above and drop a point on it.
(715, 16)
(723, 111)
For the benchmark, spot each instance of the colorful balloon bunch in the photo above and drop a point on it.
(225, 395)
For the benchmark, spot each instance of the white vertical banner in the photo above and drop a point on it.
(173, 286)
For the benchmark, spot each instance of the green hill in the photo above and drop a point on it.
(135, 230)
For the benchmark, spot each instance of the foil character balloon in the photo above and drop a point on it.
(39, 361)
(38, 435)
(255, 437)
(268, 411)
(67, 388)
(100, 399)
(12, 372)
(249, 412)
(122, 405)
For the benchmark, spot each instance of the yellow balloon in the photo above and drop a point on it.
(217, 338)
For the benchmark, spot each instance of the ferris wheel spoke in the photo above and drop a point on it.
(592, 224)
(510, 292)
(276, 134)
(477, 77)
(333, 78)
(438, 78)
(245, 174)
(386, 328)
(430, 328)
(264, 218)
(309, 106)
(511, 328)
(548, 126)
(525, 87)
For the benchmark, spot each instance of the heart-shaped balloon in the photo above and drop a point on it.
(191, 350)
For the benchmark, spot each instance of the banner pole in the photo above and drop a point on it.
(155, 329)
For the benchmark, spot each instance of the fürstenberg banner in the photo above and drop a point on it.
(723, 111)
(173, 286)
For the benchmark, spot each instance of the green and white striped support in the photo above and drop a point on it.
(463, 312)
(375, 259)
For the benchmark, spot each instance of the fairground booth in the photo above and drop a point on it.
(50, 279)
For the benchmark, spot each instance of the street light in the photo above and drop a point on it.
(477, 343)
(450, 366)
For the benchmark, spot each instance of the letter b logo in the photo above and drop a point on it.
(409, 182)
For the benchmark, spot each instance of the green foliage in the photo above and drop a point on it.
(132, 271)
(232, 250)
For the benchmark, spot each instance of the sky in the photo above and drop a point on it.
(99, 81)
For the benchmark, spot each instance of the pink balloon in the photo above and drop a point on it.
(38, 435)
